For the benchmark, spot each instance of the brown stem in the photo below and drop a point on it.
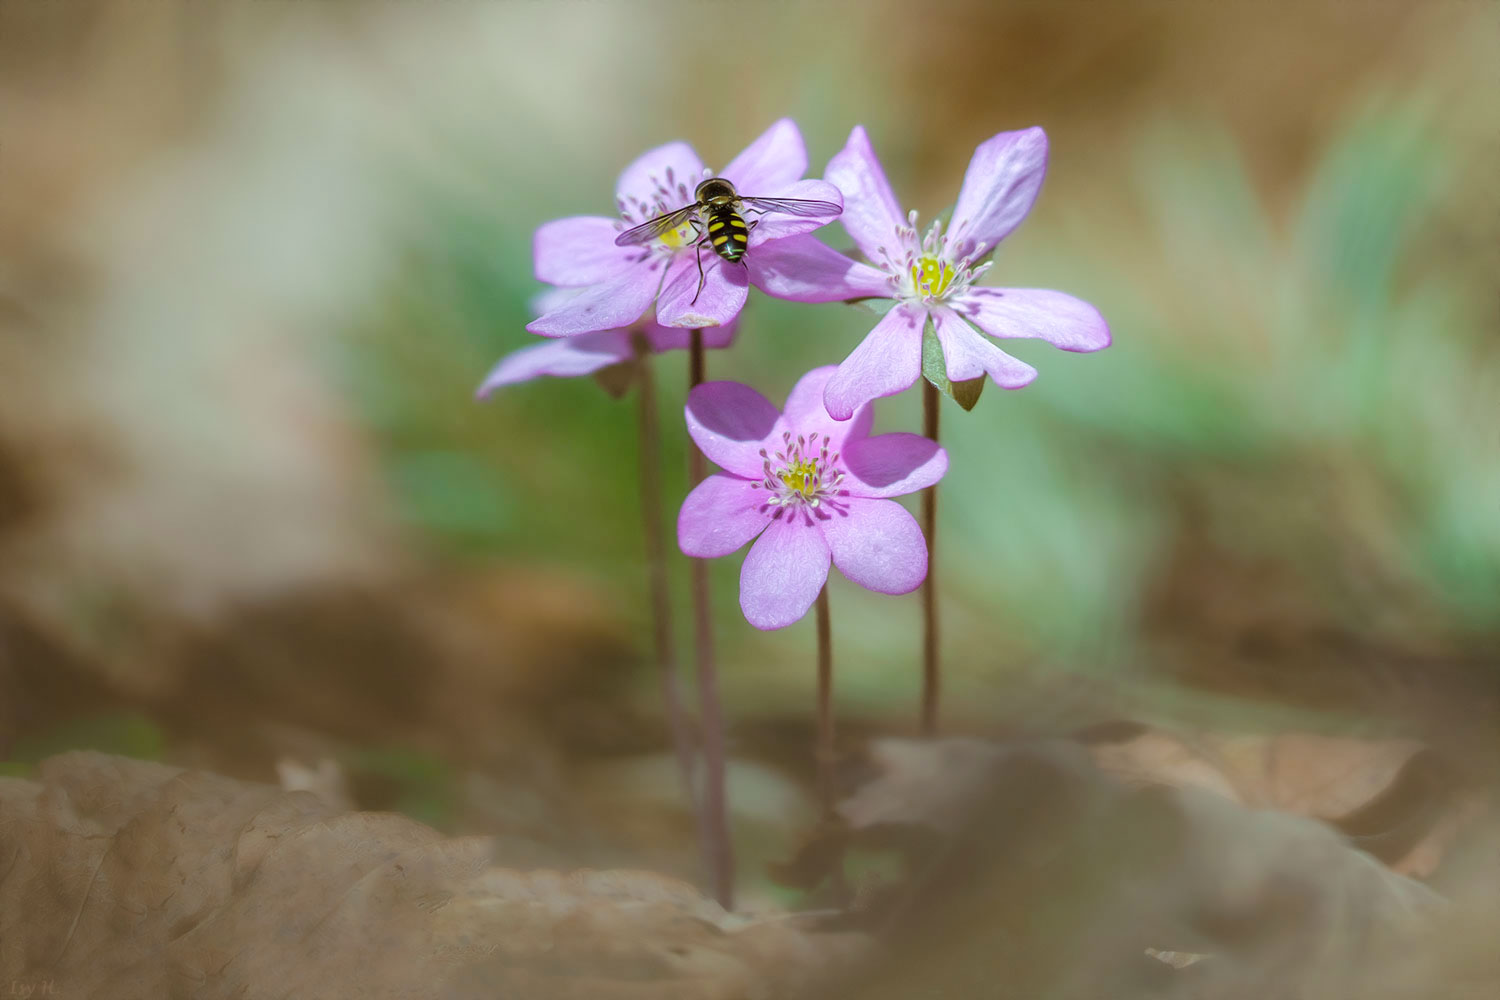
(720, 850)
(656, 561)
(930, 675)
(825, 751)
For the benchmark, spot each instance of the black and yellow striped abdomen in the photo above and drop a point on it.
(727, 233)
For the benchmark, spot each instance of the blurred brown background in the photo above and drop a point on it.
(255, 257)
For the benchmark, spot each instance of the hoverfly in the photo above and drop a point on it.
(717, 219)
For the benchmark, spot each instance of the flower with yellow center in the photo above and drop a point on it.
(932, 276)
(802, 472)
(929, 269)
(613, 286)
(806, 492)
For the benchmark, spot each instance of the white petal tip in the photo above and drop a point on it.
(693, 321)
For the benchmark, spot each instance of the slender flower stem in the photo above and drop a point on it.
(930, 675)
(715, 800)
(825, 751)
(656, 559)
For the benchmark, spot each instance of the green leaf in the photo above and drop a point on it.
(935, 370)
(934, 367)
(966, 393)
(877, 306)
(616, 380)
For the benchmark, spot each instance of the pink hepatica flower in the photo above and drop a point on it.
(617, 284)
(932, 275)
(808, 489)
(588, 353)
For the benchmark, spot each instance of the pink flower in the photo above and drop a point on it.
(589, 352)
(933, 275)
(808, 489)
(617, 284)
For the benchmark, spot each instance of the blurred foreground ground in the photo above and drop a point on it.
(254, 258)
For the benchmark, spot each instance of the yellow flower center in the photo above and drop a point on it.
(931, 276)
(804, 476)
(801, 478)
(678, 238)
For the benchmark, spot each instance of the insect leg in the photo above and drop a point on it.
(702, 278)
(702, 238)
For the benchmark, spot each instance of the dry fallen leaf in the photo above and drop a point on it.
(124, 879)
(928, 783)
(1304, 773)
(1392, 796)
(1050, 878)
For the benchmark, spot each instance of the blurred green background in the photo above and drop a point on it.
(1304, 333)
(257, 256)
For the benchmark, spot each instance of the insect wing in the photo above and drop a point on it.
(648, 231)
(792, 206)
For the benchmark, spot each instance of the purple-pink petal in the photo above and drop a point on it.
(786, 567)
(724, 289)
(968, 355)
(779, 225)
(564, 357)
(661, 338)
(887, 361)
(580, 251)
(775, 159)
(805, 413)
(721, 514)
(803, 269)
(549, 299)
(676, 338)
(730, 423)
(587, 353)
(871, 211)
(877, 544)
(605, 306)
(661, 174)
(1056, 317)
(1000, 186)
(892, 465)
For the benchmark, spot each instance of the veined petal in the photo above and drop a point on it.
(605, 306)
(779, 225)
(731, 423)
(1000, 186)
(667, 174)
(968, 355)
(580, 251)
(660, 338)
(803, 269)
(1056, 317)
(871, 211)
(892, 465)
(805, 413)
(887, 361)
(877, 544)
(725, 288)
(566, 356)
(786, 567)
(721, 514)
(774, 160)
